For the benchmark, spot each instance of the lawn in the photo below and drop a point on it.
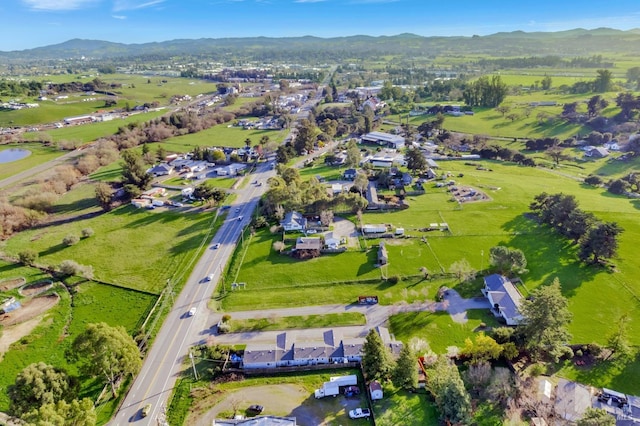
(438, 328)
(90, 302)
(220, 135)
(39, 155)
(402, 407)
(297, 322)
(138, 249)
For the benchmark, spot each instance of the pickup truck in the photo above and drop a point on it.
(359, 413)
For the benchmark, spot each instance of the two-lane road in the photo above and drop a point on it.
(180, 331)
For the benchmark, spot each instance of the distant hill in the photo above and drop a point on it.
(576, 42)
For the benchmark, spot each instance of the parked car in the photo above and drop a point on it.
(351, 391)
(145, 410)
(359, 413)
(255, 408)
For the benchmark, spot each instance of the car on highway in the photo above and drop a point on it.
(145, 410)
(216, 245)
(255, 408)
(192, 311)
(240, 218)
(237, 209)
(210, 277)
(360, 413)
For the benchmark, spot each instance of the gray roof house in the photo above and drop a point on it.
(350, 174)
(305, 348)
(294, 221)
(504, 297)
(162, 169)
(383, 257)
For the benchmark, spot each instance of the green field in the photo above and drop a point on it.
(138, 249)
(297, 322)
(91, 302)
(220, 135)
(39, 154)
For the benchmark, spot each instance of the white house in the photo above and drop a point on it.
(294, 221)
(504, 297)
(330, 241)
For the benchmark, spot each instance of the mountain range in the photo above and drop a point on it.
(576, 42)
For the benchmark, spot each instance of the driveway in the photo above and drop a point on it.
(343, 228)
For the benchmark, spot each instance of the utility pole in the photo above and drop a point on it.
(193, 365)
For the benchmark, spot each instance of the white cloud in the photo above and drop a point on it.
(58, 4)
(118, 16)
(119, 5)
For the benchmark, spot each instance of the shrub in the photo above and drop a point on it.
(226, 318)
(27, 257)
(394, 279)
(502, 334)
(509, 350)
(69, 267)
(579, 352)
(594, 349)
(87, 232)
(537, 370)
(224, 327)
(70, 240)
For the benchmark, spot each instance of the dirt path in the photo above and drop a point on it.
(279, 400)
(29, 310)
(16, 332)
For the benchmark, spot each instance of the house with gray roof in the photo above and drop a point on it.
(504, 297)
(294, 221)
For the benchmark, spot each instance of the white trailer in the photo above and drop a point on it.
(350, 380)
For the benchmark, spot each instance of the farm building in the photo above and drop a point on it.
(383, 257)
(384, 139)
(374, 229)
(375, 390)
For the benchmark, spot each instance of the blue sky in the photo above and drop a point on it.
(34, 23)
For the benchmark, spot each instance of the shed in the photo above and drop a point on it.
(375, 390)
(383, 257)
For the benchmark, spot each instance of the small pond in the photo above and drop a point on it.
(13, 154)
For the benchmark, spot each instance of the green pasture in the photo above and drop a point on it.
(134, 248)
(89, 132)
(51, 111)
(90, 302)
(595, 295)
(220, 135)
(297, 322)
(39, 154)
(327, 172)
(80, 201)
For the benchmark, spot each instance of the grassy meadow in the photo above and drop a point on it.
(220, 135)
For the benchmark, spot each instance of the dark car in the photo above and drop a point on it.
(255, 408)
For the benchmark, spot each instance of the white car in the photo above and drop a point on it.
(216, 245)
(210, 277)
(192, 311)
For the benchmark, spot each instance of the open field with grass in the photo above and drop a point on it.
(220, 135)
(39, 154)
(90, 302)
(401, 407)
(297, 322)
(139, 249)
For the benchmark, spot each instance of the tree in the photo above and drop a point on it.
(405, 372)
(556, 153)
(507, 260)
(134, 172)
(446, 385)
(603, 81)
(290, 175)
(462, 270)
(486, 92)
(478, 376)
(633, 76)
(546, 83)
(503, 109)
(103, 193)
(545, 320)
(618, 340)
(76, 413)
(87, 232)
(106, 351)
(305, 137)
(361, 182)
(595, 105)
(70, 240)
(600, 242)
(353, 154)
(377, 361)
(596, 417)
(39, 384)
(593, 180)
(161, 153)
(416, 161)
(482, 349)
(28, 257)
(326, 217)
(501, 386)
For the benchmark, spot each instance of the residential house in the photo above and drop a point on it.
(257, 421)
(384, 139)
(504, 297)
(162, 169)
(406, 179)
(597, 152)
(375, 390)
(294, 221)
(308, 243)
(611, 146)
(383, 257)
(305, 347)
(572, 400)
(373, 103)
(350, 174)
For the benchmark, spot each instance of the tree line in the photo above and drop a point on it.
(597, 241)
